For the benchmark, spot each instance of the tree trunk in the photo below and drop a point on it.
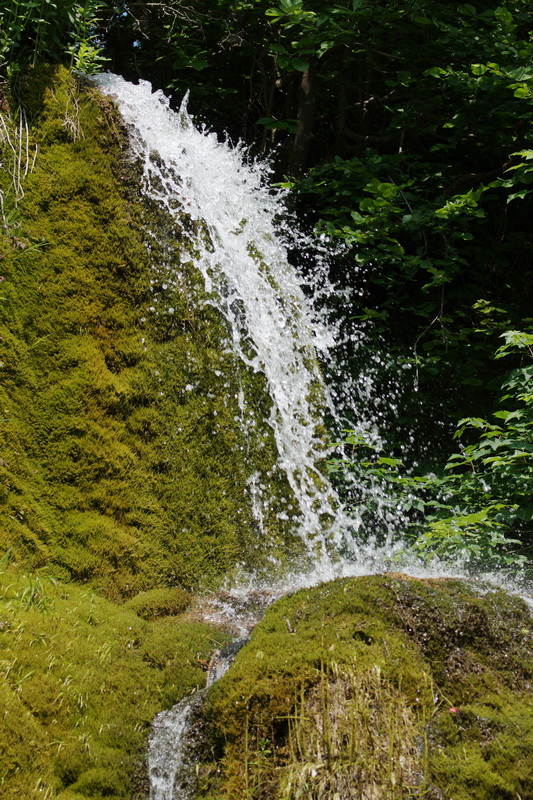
(306, 117)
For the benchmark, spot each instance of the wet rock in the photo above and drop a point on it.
(383, 687)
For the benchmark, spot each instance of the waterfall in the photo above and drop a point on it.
(274, 328)
(242, 255)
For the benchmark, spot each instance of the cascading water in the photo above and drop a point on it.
(273, 328)
(243, 259)
(168, 765)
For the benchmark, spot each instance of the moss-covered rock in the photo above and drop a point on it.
(378, 687)
(164, 602)
(122, 455)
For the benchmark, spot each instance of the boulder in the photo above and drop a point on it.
(376, 687)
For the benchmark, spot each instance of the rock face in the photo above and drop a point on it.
(377, 687)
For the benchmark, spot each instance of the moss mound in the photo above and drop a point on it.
(82, 680)
(159, 602)
(378, 687)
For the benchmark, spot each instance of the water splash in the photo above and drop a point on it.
(276, 331)
(165, 751)
(275, 328)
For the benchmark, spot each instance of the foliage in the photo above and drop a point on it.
(491, 477)
(421, 131)
(481, 502)
(215, 48)
(86, 49)
(421, 167)
(441, 273)
(48, 30)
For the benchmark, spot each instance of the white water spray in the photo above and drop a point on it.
(274, 327)
(165, 754)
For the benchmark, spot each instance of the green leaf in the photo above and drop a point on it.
(435, 72)
(521, 194)
(299, 64)
(391, 462)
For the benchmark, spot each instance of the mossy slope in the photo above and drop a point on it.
(123, 466)
(378, 687)
(122, 456)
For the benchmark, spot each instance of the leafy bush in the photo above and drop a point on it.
(47, 30)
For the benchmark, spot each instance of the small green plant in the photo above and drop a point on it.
(35, 595)
(479, 505)
(489, 480)
(86, 48)
(37, 30)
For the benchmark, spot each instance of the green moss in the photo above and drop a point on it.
(82, 680)
(131, 468)
(378, 686)
(123, 464)
(159, 602)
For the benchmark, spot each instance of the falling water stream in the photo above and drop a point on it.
(275, 330)
(242, 255)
